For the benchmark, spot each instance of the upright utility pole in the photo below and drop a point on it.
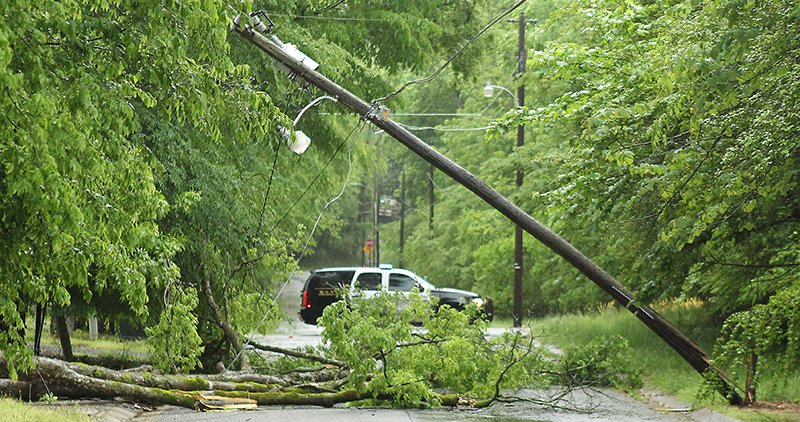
(377, 222)
(402, 214)
(521, 58)
(363, 210)
(431, 201)
(687, 349)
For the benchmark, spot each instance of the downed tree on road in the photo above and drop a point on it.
(67, 380)
(373, 355)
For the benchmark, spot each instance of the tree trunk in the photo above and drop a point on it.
(750, 378)
(37, 336)
(230, 334)
(63, 336)
(173, 382)
(67, 380)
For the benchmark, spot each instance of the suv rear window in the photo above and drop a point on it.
(332, 279)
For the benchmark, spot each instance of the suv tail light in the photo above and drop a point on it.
(306, 302)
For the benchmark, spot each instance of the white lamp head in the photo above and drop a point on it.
(298, 143)
(488, 90)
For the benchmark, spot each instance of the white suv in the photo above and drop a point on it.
(321, 287)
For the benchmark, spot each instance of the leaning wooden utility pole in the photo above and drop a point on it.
(376, 114)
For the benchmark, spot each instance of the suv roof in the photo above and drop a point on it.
(383, 267)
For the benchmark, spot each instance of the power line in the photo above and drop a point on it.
(442, 115)
(338, 150)
(331, 18)
(446, 129)
(452, 57)
(351, 138)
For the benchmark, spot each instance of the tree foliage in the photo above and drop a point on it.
(660, 140)
(388, 356)
(79, 202)
(683, 158)
(137, 143)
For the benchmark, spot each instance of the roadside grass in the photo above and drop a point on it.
(105, 343)
(12, 410)
(661, 368)
(502, 322)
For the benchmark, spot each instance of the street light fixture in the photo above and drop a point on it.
(300, 142)
(488, 91)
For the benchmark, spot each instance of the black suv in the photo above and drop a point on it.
(320, 289)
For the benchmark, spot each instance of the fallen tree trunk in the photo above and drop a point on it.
(175, 382)
(55, 377)
(62, 379)
(288, 379)
(107, 361)
(70, 380)
(322, 399)
(234, 376)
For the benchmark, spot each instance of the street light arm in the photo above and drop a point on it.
(490, 87)
(516, 101)
(312, 104)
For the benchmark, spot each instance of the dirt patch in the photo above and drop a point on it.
(776, 406)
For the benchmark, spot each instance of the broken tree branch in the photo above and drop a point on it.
(230, 333)
(297, 354)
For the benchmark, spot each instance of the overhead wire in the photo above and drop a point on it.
(453, 56)
(330, 18)
(446, 129)
(269, 188)
(299, 198)
(351, 139)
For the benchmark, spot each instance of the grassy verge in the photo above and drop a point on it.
(661, 368)
(106, 344)
(12, 410)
